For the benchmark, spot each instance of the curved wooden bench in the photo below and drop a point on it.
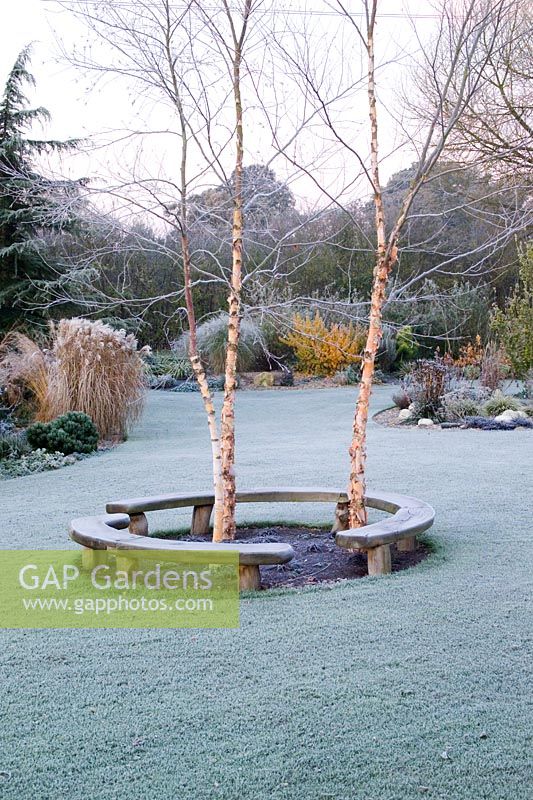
(109, 532)
(203, 505)
(410, 517)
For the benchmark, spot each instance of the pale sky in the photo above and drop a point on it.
(79, 111)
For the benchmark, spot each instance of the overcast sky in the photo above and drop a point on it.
(78, 110)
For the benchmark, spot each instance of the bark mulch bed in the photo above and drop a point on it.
(317, 558)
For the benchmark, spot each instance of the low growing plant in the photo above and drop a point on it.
(490, 424)
(215, 384)
(70, 433)
(456, 406)
(499, 403)
(35, 461)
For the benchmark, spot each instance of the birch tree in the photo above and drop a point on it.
(163, 48)
(453, 64)
(192, 59)
(464, 74)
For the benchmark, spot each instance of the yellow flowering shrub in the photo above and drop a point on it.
(323, 350)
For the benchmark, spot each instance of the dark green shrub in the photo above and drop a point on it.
(73, 432)
(38, 435)
(513, 327)
(406, 344)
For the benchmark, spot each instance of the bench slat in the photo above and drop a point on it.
(166, 501)
(106, 532)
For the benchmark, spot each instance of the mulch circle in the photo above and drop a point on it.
(317, 558)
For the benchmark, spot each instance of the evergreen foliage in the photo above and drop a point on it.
(73, 432)
(31, 205)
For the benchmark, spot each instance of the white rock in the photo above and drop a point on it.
(412, 407)
(425, 422)
(405, 414)
(510, 415)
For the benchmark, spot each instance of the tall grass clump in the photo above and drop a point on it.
(25, 375)
(90, 367)
(212, 339)
(99, 371)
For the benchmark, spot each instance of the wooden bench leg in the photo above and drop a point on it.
(342, 518)
(406, 545)
(138, 524)
(201, 518)
(91, 558)
(379, 561)
(249, 578)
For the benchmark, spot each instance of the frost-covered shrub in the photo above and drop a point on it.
(163, 363)
(426, 384)
(455, 408)
(215, 384)
(70, 433)
(13, 445)
(401, 399)
(490, 424)
(35, 461)
(463, 401)
(499, 403)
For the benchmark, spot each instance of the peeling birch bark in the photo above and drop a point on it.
(386, 257)
(227, 424)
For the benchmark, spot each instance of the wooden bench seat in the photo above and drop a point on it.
(106, 532)
(203, 504)
(410, 517)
